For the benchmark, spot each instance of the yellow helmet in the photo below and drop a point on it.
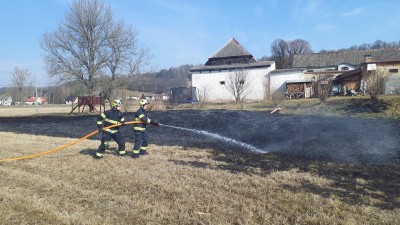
(143, 102)
(116, 103)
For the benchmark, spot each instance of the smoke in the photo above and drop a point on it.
(328, 138)
(220, 137)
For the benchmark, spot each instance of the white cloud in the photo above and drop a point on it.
(259, 11)
(273, 3)
(179, 6)
(307, 6)
(312, 6)
(324, 27)
(353, 12)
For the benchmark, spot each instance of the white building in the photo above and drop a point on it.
(71, 100)
(213, 78)
(5, 100)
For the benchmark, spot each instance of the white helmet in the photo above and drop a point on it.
(116, 103)
(143, 102)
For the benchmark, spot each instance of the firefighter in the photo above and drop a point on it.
(111, 117)
(141, 137)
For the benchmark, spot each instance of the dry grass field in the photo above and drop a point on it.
(31, 110)
(180, 185)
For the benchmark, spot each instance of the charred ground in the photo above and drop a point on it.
(322, 138)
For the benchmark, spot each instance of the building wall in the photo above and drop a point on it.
(209, 84)
(278, 81)
(392, 84)
(385, 71)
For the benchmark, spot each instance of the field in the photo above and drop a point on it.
(327, 163)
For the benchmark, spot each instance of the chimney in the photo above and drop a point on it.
(367, 58)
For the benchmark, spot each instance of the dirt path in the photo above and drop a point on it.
(343, 139)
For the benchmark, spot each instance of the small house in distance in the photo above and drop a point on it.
(33, 100)
(5, 100)
(71, 100)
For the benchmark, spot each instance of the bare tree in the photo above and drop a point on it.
(378, 44)
(279, 51)
(123, 58)
(56, 94)
(283, 51)
(238, 84)
(22, 83)
(203, 94)
(75, 51)
(375, 81)
(90, 45)
(297, 47)
(323, 85)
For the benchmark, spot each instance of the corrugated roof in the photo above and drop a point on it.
(300, 81)
(273, 72)
(349, 73)
(348, 56)
(260, 64)
(231, 49)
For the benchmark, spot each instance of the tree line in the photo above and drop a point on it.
(282, 52)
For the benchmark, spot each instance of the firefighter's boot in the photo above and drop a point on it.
(121, 153)
(135, 154)
(98, 155)
(143, 152)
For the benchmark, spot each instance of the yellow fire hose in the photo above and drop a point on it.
(64, 146)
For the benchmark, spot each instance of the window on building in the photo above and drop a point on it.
(393, 70)
(222, 82)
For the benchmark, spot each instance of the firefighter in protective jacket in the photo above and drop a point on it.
(111, 117)
(139, 129)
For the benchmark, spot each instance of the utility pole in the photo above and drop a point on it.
(36, 100)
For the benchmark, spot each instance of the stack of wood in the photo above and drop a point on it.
(295, 88)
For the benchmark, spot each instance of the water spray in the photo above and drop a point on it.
(220, 137)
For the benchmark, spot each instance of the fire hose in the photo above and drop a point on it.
(66, 145)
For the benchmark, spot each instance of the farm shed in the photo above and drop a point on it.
(349, 81)
(299, 89)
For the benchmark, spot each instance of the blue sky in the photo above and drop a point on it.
(181, 32)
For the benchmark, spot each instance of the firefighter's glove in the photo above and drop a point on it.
(155, 123)
(100, 128)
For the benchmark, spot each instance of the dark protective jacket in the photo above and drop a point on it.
(141, 115)
(110, 117)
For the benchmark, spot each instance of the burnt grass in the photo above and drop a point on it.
(340, 148)
(336, 139)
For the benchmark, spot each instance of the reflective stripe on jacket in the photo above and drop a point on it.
(110, 117)
(141, 115)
